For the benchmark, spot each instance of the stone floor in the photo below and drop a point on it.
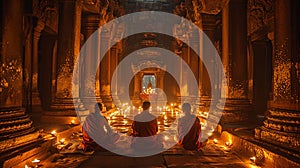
(212, 155)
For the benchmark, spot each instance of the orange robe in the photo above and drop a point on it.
(145, 129)
(191, 139)
(97, 126)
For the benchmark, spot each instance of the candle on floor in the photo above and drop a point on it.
(53, 133)
(228, 144)
(253, 159)
(62, 141)
(215, 141)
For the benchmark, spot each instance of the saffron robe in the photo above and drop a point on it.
(189, 139)
(96, 126)
(145, 125)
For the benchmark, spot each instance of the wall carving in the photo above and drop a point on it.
(11, 83)
(47, 12)
(282, 70)
(259, 14)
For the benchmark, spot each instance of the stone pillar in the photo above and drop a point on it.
(137, 89)
(68, 50)
(14, 122)
(90, 25)
(35, 97)
(208, 27)
(105, 73)
(234, 58)
(281, 126)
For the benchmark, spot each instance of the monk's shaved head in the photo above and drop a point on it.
(186, 108)
(146, 105)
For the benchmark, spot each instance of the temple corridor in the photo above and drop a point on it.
(235, 62)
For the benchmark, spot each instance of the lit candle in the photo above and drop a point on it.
(62, 141)
(73, 122)
(253, 159)
(215, 141)
(158, 122)
(227, 143)
(53, 133)
(36, 161)
(166, 138)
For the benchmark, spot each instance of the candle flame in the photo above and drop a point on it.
(36, 161)
(54, 132)
(252, 159)
(215, 141)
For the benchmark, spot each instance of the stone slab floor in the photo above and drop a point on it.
(212, 155)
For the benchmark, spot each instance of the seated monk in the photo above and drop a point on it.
(145, 125)
(189, 129)
(95, 124)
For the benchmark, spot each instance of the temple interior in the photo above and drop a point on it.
(51, 78)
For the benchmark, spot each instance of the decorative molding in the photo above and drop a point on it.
(260, 12)
(47, 12)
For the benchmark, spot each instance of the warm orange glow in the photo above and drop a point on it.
(253, 159)
(215, 141)
(36, 161)
(54, 132)
(228, 143)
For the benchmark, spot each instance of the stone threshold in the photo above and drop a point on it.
(267, 155)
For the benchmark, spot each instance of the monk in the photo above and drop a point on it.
(95, 124)
(145, 125)
(189, 129)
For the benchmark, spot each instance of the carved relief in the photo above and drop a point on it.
(47, 12)
(11, 83)
(64, 78)
(259, 11)
(282, 70)
(237, 89)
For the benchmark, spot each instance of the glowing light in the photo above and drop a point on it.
(158, 122)
(26, 166)
(36, 161)
(54, 133)
(62, 141)
(73, 122)
(166, 138)
(104, 128)
(228, 143)
(253, 159)
(215, 141)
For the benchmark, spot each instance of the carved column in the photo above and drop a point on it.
(90, 24)
(114, 56)
(14, 122)
(105, 73)
(68, 50)
(35, 97)
(208, 27)
(282, 124)
(234, 58)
